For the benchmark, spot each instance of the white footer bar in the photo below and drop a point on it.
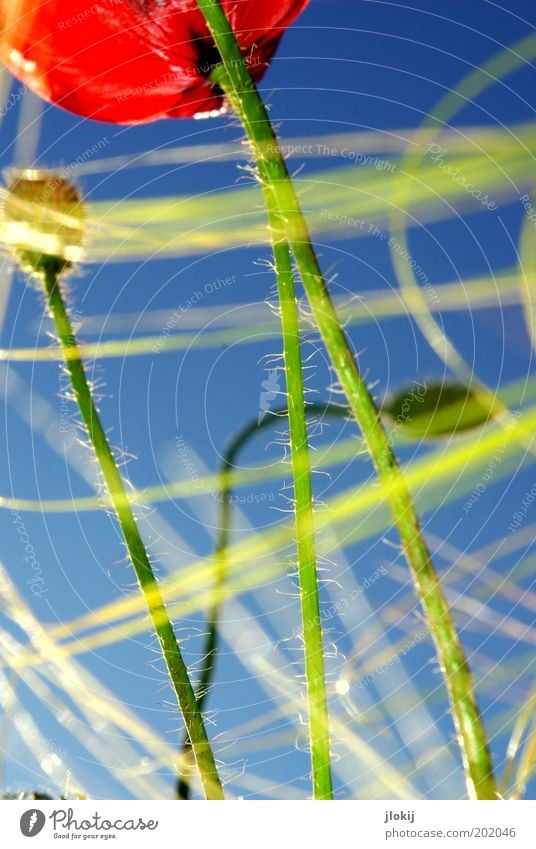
(270, 825)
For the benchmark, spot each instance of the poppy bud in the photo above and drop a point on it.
(43, 220)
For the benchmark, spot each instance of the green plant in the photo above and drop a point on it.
(50, 208)
(277, 185)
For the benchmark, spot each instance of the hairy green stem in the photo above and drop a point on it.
(178, 672)
(317, 708)
(303, 509)
(238, 443)
(242, 93)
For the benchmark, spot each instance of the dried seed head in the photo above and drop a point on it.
(43, 220)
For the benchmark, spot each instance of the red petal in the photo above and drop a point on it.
(128, 61)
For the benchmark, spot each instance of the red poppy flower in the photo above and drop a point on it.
(127, 61)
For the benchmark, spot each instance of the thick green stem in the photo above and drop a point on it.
(239, 87)
(178, 672)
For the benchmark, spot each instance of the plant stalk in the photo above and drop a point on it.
(304, 516)
(210, 649)
(318, 720)
(178, 672)
(242, 93)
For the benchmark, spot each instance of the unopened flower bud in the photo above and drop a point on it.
(43, 220)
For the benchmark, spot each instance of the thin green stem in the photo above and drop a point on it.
(242, 93)
(318, 720)
(304, 516)
(238, 443)
(186, 760)
(178, 672)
